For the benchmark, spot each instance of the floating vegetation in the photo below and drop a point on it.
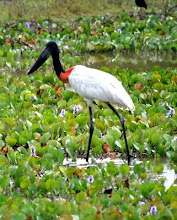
(43, 126)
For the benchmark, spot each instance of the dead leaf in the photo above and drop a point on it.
(79, 172)
(57, 90)
(126, 183)
(8, 40)
(32, 42)
(113, 155)
(92, 32)
(138, 86)
(106, 148)
(40, 91)
(4, 150)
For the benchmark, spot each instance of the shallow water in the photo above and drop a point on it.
(136, 62)
(133, 61)
(168, 173)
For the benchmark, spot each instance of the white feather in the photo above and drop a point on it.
(95, 84)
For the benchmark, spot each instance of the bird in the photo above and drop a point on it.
(90, 84)
(141, 3)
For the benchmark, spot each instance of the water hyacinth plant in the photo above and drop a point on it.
(171, 112)
(33, 151)
(75, 109)
(90, 179)
(119, 31)
(153, 210)
(175, 138)
(27, 24)
(43, 128)
(62, 113)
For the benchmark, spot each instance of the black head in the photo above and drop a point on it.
(53, 50)
(141, 3)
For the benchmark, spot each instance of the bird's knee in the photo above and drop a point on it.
(122, 120)
(91, 128)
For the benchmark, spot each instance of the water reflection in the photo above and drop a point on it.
(130, 60)
(168, 173)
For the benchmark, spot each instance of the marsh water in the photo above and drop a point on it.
(168, 172)
(137, 62)
(141, 61)
(134, 61)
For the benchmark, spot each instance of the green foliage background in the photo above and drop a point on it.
(35, 139)
(60, 9)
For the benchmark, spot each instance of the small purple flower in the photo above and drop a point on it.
(76, 109)
(171, 112)
(67, 142)
(101, 135)
(108, 154)
(33, 151)
(119, 31)
(90, 179)
(66, 47)
(62, 113)
(153, 210)
(11, 183)
(143, 74)
(175, 138)
(27, 24)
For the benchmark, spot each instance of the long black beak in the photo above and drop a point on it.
(53, 50)
(42, 58)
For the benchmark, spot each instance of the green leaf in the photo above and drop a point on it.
(19, 216)
(115, 132)
(61, 156)
(1, 53)
(109, 139)
(82, 120)
(4, 182)
(96, 141)
(155, 138)
(27, 135)
(112, 169)
(159, 169)
(45, 137)
(11, 141)
(88, 210)
(2, 143)
(68, 95)
(124, 169)
(81, 197)
(168, 138)
(139, 169)
(146, 190)
(22, 140)
(139, 147)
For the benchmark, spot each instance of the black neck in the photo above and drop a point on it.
(54, 51)
(57, 64)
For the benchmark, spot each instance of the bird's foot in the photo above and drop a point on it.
(132, 156)
(129, 158)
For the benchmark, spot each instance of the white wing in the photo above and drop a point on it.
(95, 84)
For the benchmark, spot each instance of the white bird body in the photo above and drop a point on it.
(95, 84)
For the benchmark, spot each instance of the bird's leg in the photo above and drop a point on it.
(91, 133)
(124, 133)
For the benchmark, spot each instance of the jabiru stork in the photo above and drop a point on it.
(90, 84)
